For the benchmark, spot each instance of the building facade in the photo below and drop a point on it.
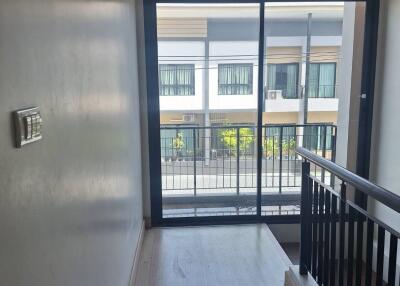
(208, 68)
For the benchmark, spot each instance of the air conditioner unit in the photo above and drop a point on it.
(274, 94)
(188, 118)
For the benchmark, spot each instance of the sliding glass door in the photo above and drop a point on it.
(306, 53)
(208, 67)
(237, 88)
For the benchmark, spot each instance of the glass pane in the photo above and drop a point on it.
(313, 80)
(235, 79)
(176, 79)
(327, 75)
(302, 108)
(208, 66)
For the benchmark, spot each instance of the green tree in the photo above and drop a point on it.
(271, 146)
(229, 139)
(289, 146)
(178, 144)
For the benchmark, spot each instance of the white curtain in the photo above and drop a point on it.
(327, 80)
(271, 77)
(235, 79)
(176, 79)
(313, 81)
(291, 84)
(322, 80)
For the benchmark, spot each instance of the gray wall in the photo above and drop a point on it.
(247, 29)
(70, 205)
(385, 155)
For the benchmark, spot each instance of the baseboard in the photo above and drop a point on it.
(137, 256)
(147, 222)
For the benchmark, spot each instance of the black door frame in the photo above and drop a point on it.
(153, 111)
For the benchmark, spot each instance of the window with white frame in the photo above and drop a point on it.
(176, 79)
(235, 79)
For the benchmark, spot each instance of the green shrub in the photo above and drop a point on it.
(229, 139)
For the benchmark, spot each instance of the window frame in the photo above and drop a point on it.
(176, 86)
(297, 64)
(318, 82)
(249, 85)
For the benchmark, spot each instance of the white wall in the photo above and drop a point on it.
(293, 105)
(70, 204)
(186, 52)
(221, 52)
(227, 49)
(385, 155)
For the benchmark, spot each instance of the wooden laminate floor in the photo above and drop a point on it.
(211, 255)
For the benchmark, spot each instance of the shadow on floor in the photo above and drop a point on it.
(292, 250)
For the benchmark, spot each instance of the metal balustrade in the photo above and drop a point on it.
(333, 241)
(217, 164)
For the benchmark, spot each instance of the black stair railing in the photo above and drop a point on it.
(332, 229)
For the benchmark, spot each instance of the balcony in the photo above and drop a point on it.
(321, 98)
(213, 170)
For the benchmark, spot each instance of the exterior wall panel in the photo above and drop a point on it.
(183, 52)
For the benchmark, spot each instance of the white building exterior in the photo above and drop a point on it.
(202, 42)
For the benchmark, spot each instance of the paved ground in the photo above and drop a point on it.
(183, 185)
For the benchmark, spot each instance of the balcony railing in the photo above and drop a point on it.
(321, 91)
(334, 247)
(217, 165)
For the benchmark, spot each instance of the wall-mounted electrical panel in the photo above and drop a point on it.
(28, 126)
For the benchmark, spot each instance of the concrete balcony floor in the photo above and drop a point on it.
(212, 255)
